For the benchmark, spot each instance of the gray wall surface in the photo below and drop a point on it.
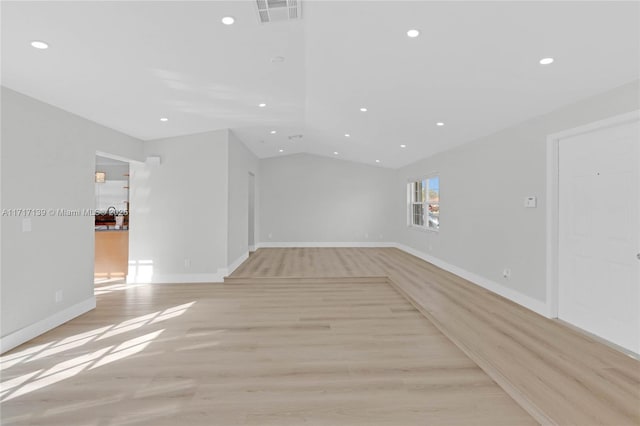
(484, 226)
(48, 162)
(179, 208)
(307, 198)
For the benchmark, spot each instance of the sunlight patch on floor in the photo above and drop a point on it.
(38, 379)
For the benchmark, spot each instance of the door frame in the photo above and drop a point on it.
(553, 201)
(251, 205)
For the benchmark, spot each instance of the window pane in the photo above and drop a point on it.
(417, 193)
(418, 215)
(434, 216)
(434, 190)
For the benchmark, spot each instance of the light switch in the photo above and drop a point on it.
(26, 224)
(531, 202)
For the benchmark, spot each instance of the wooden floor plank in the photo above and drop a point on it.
(279, 351)
(559, 374)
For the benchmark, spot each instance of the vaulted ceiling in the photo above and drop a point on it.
(474, 67)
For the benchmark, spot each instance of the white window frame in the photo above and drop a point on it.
(411, 202)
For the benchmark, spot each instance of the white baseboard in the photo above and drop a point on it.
(325, 244)
(528, 302)
(27, 333)
(218, 277)
(233, 266)
(252, 248)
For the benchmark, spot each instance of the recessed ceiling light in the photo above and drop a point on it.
(363, 109)
(163, 119)
(277, 59)
(335, 152)
(38, 44)
(439, 124)
(228, 20)
(262, 105)
(273, 132)
(281, 150)
(377, 161)
(403, 146)
(546, 61)
(347, 135)
(413, 33)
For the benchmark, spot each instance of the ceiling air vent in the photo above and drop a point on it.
(278, 10)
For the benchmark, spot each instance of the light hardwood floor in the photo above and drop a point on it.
(559, 375)
(319, 350)
(275, 351)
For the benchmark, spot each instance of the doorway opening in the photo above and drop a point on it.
(111, 223)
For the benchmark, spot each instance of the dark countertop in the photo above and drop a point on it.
(110, 228)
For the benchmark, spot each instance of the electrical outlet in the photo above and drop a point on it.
(58, 296)
(531, 202)
(366, 235)
(506, 273)
(270, 235)
(187, 263)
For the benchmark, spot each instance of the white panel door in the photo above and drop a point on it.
(599, 233)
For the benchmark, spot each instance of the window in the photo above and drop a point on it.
(423, 198)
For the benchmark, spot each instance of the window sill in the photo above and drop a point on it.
(423, 229)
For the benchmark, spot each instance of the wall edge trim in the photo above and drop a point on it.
(29, 332)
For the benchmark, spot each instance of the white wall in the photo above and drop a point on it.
(307, 198)
(48, 162)
(113, 172)
(179, 210)
(241, 163)
(484, 226)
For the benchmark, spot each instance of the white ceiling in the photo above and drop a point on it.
(474, 67)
